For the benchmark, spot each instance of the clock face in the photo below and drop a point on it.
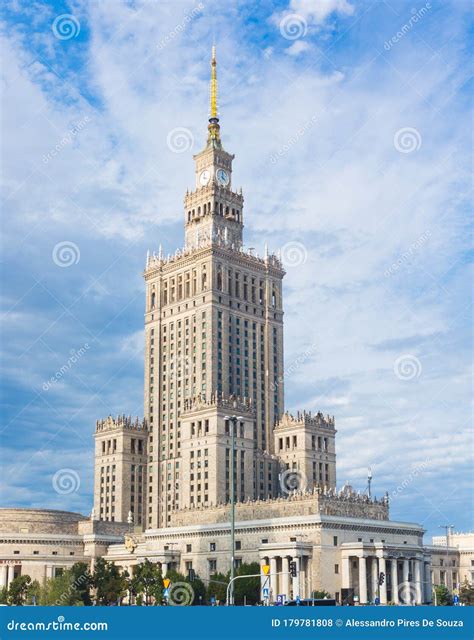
(205, 177)
(222, 177)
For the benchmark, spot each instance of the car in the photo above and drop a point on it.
(312, 602)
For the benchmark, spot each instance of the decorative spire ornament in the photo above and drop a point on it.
(213, 127)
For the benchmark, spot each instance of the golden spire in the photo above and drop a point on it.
(213, 127)
(213, 112)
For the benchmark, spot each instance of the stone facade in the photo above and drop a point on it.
(42, 542)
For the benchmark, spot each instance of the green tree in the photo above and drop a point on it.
(466, 593)
(3, 595)
(148, 580)
(55, 590)
(81, 583)
(18, 590)
(109, 582)
(69, 588)
(443, 597)
(215, 587)
(248, 589)
(199, 589)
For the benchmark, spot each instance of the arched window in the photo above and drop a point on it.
(273, 297)
(153, 299)
(221, 209)
(189, 216)
(203, 278)
(199, 211)
(219, 278)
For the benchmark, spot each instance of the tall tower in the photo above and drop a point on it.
(120, 469)
(213, 344)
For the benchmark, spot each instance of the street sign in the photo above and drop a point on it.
(298, 599)
(266, 569)
(166, 582)
(265, 592)
(213, 600)
(166, 593)
(377, 600)
(456, 599)
(281, 598)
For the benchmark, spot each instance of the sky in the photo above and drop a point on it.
(349, 121)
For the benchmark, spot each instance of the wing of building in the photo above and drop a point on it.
(215, 428)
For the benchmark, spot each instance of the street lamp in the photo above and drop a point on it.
(233, 422)
(447, 528)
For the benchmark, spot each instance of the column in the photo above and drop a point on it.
(383, 586)
(264, 580)
(362, 581)
(428, 585)
(273, 579)
(418, 596)
(3, 575)
(374, 578)
(406, 583)
(346, 573)
(394, 570)
(164, 569)
(303, 576)
(10, 574)
(296, 583)
(285, 567)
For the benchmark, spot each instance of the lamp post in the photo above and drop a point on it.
(447, 528)
(233, 422)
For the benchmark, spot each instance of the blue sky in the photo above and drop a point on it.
(350, 125)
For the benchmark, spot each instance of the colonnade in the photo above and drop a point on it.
(7, 573)
(279, 582)
(406, 580)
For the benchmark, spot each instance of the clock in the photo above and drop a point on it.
(222, 177)
(205, 177)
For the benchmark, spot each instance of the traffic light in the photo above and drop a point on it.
(293, 569)
(191, 575)
(381, 577)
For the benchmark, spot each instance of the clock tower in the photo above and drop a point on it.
(213, 211)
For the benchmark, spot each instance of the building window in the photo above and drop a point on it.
(238, 545)
(334, 541)
(189, 548)
(212, 546)
(212, 566)
(336, 568)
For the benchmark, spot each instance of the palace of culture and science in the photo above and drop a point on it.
(213, 405)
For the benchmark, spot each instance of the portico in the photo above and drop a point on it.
(386, 573)
(279, 556)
